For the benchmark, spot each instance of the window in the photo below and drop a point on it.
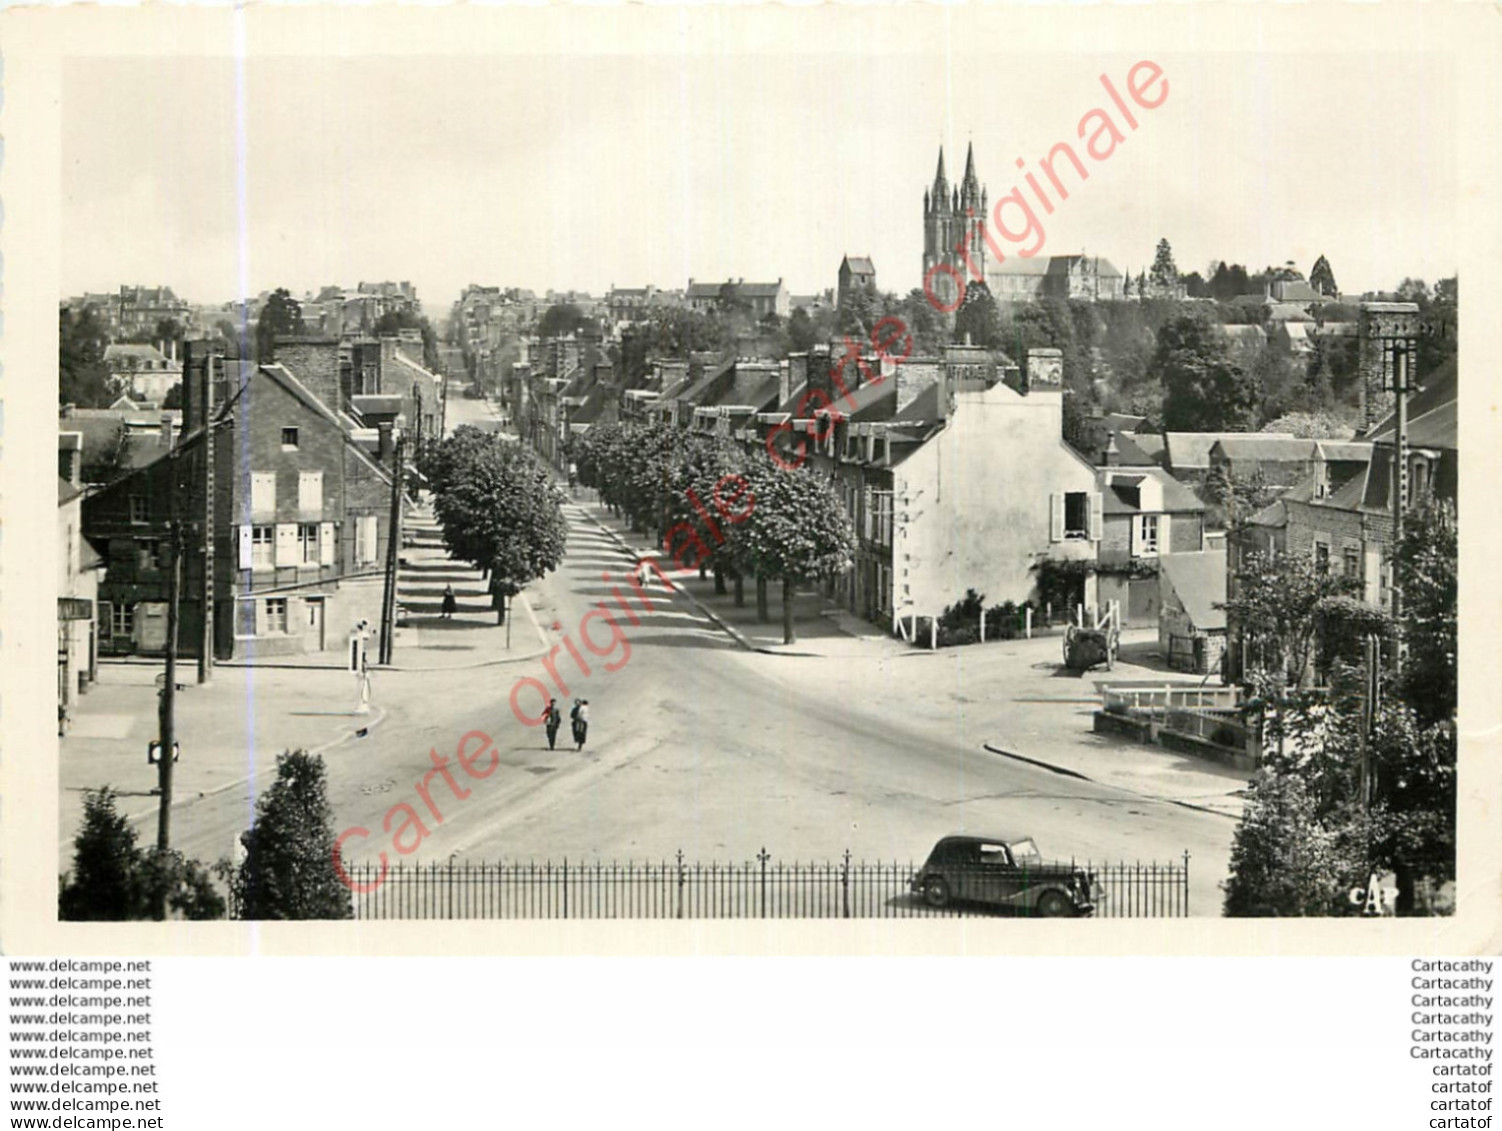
(263, 493)
(1322, 557)
(289, 439)
(1350, 561)
(150, 556)
(307, 544)
(310, 494)
(122, 620)
(276, 615)
(883, 501)
(138, 508)
(1147, 535)
(1076, 514)
(260, 547)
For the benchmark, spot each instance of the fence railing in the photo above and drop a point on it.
(756, 889)
(1218, 729)
(1167, 696)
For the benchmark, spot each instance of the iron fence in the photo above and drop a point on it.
(760, 888)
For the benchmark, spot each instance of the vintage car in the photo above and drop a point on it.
(1006, 872)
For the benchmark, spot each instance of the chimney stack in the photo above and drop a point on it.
(166, 438)
(387, 443)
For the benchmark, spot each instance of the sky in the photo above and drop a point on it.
(554, 171)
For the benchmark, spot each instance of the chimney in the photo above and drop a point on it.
(387, 444)
(1112, 454)
(784, 381)
(912, 378)
(166, 435)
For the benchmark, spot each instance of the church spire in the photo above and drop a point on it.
(941, 183)
(970, 190)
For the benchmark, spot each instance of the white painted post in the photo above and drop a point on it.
(933, 635)
(983, 626)
(1048, 611)
(1027, 614)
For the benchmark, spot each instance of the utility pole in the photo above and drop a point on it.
(167, 718)
(206, 588)
(393, 548)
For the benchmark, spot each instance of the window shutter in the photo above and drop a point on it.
(866, 513)
(263, 493)
(1372, 582)
(367, 539)
(106, 619)
(1136, 540)
(1165, 534)
(1097, 514)
(325, 543)
(243, 536)
(286, 544)
(310, 494)
(1056, 517)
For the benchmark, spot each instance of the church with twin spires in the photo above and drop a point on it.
(954, 237)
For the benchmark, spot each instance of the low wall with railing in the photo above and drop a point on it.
(1204, 721)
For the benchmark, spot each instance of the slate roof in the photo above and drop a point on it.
(860, 265)
(1265, 447)
(1199, 581)
(1191, 450)
(1016, 265)
(1177, 498)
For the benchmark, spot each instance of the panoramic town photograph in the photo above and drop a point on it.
(724, 486)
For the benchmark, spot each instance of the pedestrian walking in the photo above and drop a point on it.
(580, 715)
(553, 717)
(450, 603)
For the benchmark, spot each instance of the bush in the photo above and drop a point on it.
(112, 879)
(965, 613)
(289, 868)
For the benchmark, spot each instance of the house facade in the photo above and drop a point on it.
(297, 521)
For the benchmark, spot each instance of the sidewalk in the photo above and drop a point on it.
(823, 629)
(229, 731)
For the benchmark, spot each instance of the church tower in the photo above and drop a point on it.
(954, 228)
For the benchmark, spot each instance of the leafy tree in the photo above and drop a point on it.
(560, 320)
(860, 311)
(174, 397)
(1311, 426)
(1284, 861)
(796, 532)
(1322, 279)
(978, 318)
(1204, 389)
(1276, 611)
(1425, 568)
(280, 317)
(110, 463)
(1195, 285)
(801, 332)
(923, 322)
(83, 378)
(1165, 273)
(499, 511)
(290, 866)
(114, 879)
(395, 320)
(1232, 499)
(1228, 281)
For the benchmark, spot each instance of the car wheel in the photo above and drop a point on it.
(936, 892)
(1055, 905)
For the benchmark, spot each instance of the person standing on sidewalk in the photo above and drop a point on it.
(580, 715)
(450, 603)
(553, 717)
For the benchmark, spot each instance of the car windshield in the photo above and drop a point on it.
(1025, 851)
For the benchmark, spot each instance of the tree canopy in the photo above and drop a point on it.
(280, 317)
(1204, 388)
(290, 870)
